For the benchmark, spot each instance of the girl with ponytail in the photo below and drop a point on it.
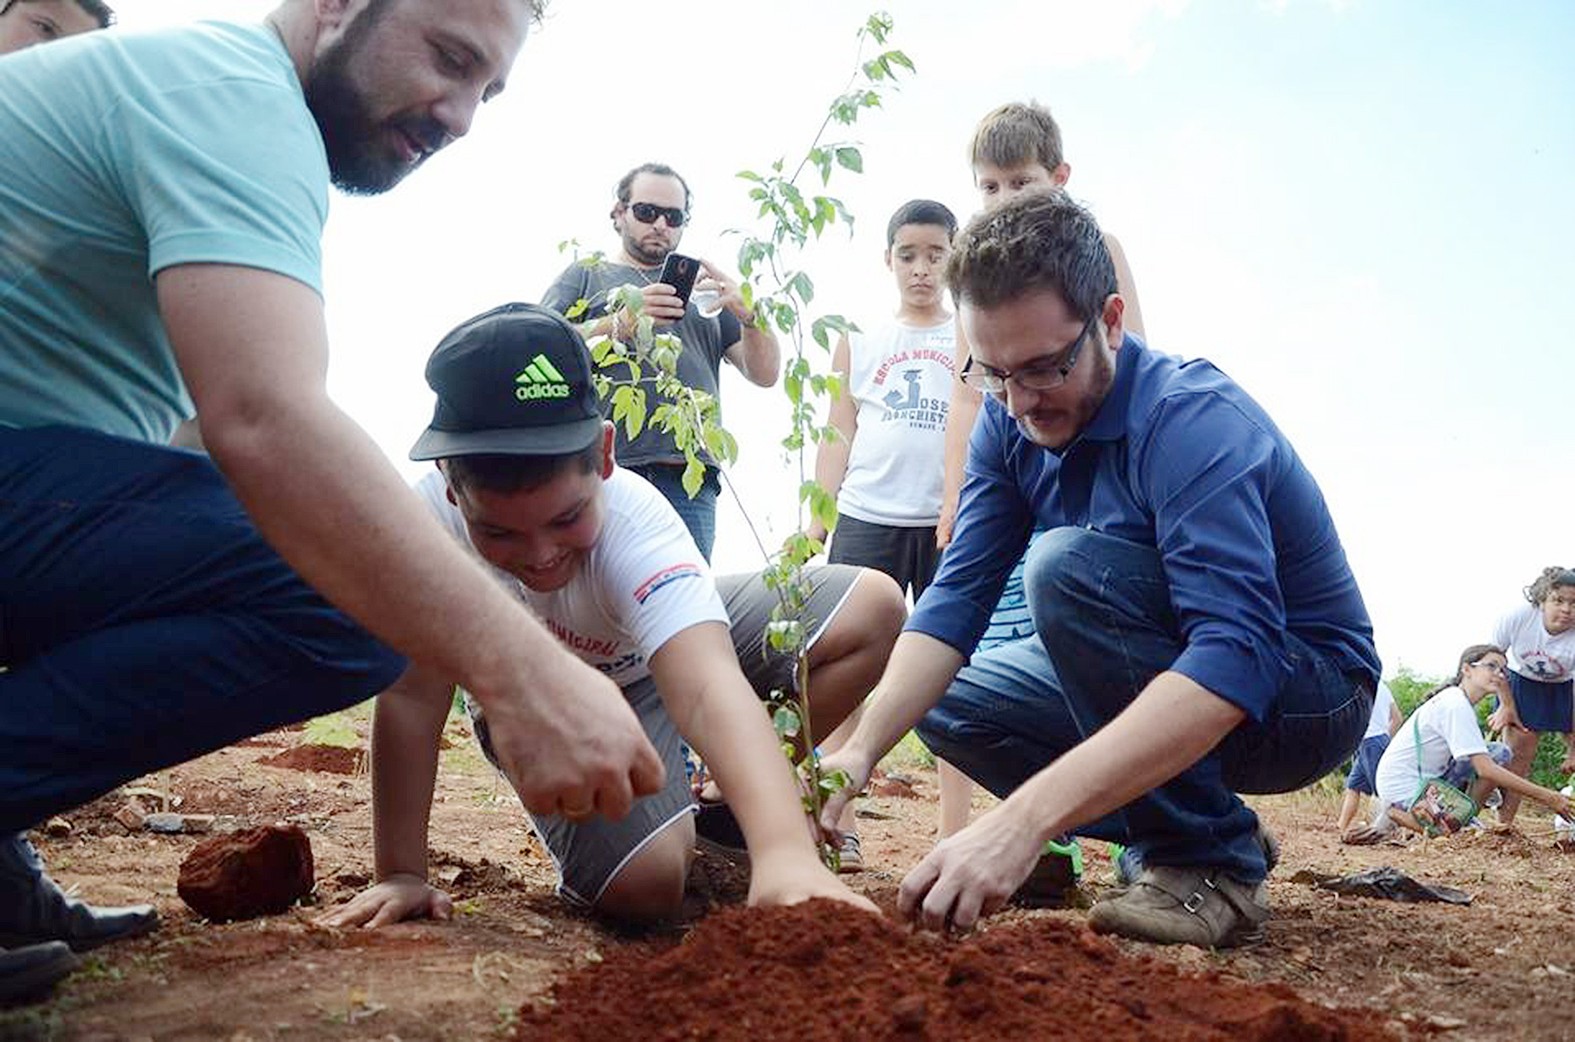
(1442, 739)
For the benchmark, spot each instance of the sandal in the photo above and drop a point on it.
(849, 857)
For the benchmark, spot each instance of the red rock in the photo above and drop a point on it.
(242, 875)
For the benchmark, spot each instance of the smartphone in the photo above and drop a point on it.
(680, 273)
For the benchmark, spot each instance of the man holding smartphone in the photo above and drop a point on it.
(649, 214)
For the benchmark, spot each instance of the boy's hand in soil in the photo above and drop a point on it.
(971, 873)
(787, 880)
(858, 766)
(396, 898)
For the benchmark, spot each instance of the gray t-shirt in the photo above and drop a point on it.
(705, 341)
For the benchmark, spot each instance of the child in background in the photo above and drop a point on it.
(1442, 739)
(885, 471)
(1540, 639)
(1385, 721)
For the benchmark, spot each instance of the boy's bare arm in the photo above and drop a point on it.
(407, 729)
(916, 676)
(719, 714)
(1132, 317)
(831, 457)
(253, 348)
(961, 413)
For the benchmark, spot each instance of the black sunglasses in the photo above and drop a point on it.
(647, 213)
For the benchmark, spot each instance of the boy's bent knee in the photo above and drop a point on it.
(650, 887)
(878, 608)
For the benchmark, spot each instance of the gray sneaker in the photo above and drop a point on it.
(1171, 905)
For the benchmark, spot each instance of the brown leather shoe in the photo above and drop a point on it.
(1171, 905)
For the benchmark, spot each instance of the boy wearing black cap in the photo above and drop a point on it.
(526, 479)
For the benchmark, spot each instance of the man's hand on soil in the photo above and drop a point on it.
(789, 880)
(971, 873)
(572, 746)
(395, 899)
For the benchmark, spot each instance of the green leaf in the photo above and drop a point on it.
(634, 422)
(694, 475)
(849, 158)
(802, 286)
(786, 722)
(785, 635)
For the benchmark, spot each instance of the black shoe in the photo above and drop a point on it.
(28, 973)
(34, 909)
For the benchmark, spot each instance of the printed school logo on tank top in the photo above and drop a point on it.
(904, 380)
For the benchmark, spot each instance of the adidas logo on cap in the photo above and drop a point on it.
(540, 379)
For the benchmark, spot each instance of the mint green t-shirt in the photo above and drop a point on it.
(122, 154)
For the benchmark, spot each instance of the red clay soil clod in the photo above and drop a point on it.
(242, 875)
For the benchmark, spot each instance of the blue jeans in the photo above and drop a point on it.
(699, 513)
(1101, 608)
(144, 621)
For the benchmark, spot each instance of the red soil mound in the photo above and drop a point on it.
(329, 759)
(821, 971)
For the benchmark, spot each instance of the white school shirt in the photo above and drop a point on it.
(642, 583)
(1533, 651)
(1378, 723)
(1449, 731)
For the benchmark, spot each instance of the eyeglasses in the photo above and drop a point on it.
(1502, 671)
(647, 213)
(1035, 376)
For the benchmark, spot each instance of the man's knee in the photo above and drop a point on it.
(1056, 574)
(650, 887)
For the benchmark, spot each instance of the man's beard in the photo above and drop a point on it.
(644, 255)
(360, 162)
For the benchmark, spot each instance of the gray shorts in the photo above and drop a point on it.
(588, 854)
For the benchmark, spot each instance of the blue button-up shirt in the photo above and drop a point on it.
(1179, 458)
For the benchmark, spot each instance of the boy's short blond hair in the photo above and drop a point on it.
(1015, 134)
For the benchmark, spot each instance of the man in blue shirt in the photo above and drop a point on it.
(1200, 633)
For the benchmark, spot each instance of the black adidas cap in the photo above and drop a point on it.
(513, 381)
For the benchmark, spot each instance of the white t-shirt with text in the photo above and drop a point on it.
(900, 377)
(1533, 651)
(642, 583)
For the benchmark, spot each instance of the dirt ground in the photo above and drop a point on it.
(1500, 968)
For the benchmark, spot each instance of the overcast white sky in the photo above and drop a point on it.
(1360, 209)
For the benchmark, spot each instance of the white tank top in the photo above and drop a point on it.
(901, 380)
